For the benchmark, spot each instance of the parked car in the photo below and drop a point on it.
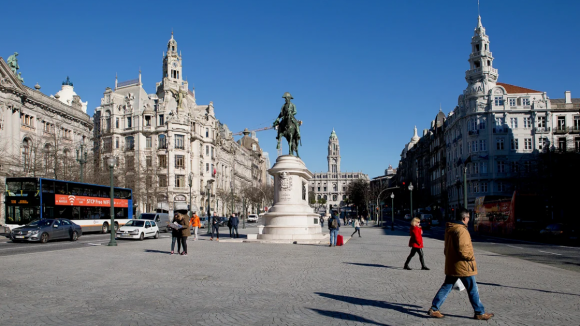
(202, 222)
(560, 233)
(47, 229)
(407, 217)
(223, 221)
(138, 229)
(161, 219)
(252, 218)
(435, 222)
(426, 221)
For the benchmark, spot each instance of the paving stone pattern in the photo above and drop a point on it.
(362, 283)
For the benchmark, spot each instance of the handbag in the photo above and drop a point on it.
(458, 285)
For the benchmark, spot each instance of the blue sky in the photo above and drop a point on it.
(370, 69)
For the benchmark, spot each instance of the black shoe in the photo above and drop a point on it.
(330, 245)
(425, 268)
(407, 268)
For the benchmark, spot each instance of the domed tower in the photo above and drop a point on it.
(481, 69)
(172, 62)
(333, 153)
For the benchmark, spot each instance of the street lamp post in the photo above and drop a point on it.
(209, 217)
(465, 187)
(190, 184)
(392, 211)
(112, 242)
(380, 210)
(411, 192)
(82, 160)
(244, 212)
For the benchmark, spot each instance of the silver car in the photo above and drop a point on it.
(47, 229)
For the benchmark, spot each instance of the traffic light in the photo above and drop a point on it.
(403, 183)
(377, 208)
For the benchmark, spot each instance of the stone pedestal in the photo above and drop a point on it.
(291, 218)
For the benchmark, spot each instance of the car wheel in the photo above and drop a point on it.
(74, 236)
(116, 226)
(44, 238)
(105, 228)
(141, 237)
(156, 235)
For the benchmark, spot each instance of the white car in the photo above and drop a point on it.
(138, 229)
(252, 218)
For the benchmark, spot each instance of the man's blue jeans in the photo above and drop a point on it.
(333, 236)
(470, 287)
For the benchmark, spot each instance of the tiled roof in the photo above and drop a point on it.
(563, 100)
(512, 89)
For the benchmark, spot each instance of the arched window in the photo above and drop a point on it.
(129, 143)
(162, 142)
(107, 121)
(325, 197)
(47, 157)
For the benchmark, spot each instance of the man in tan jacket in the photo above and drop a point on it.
(459, 265)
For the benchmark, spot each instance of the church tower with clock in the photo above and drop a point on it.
(333, 153)
(172, 62)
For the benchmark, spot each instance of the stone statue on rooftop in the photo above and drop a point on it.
(13, 62)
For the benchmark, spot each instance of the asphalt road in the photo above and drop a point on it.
(559, 256)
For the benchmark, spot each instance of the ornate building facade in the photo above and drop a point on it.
(333, 185)
(171, 150)
(39, 134)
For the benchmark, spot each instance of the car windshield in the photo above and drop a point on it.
(41, 223)
(147, 217)
(136, 223)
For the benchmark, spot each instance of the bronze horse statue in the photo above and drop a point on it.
(288, 126)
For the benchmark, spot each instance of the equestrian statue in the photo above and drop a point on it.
(288, 126)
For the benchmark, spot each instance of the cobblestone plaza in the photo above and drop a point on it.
(235, 283)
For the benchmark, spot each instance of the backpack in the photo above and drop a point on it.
(333, 223)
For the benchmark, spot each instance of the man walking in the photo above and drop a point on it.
(195, 223)
(459, 264)
(235, 223)
(333, 226)
(215, 227)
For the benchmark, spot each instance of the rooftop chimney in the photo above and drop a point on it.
(568, 97)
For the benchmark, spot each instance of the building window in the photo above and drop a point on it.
(179, 143)
(212, 152)
(148, 181)
(162, 142)
(206, 132)
(148, 142)
(541, 122)
(319, 197)
(334, 197)
(148, 161)
(107, 145)
(527, 122)
(147, 121)
(562, 144)
(129, 122)
(130, 163)
(514, 122)
(500, 167)
(206, 167)
(129, 143)
(179, 180)
(577, 122)
(501, 187)
(499, 143)
(526, 101)
(161, 120)
(561, 123)
(116, 123)
(325, 197)
(527, 166)
(577, 144)
(324, 188)
(318, 188)
(343, 197)
(482, 124)
(179, 161)
(162, 161)
(483, 145)
(498, 101)
(512, 101)
(162, 180)
(483, 186)
(515, 167)
(528, 143)
(515, 144)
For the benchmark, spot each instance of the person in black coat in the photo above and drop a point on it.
(235, 222)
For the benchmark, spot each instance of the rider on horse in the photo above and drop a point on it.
(287, 124)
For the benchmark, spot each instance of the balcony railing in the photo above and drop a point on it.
(474, 132)
(542, 130)
(500, 130)
(561, 130)
(575, 129)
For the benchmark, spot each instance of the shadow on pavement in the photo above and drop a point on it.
(515, 287)
(374, 265)
(346, 316)
(158, 251)
(400, 307)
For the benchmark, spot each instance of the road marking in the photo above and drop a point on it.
(550, 253)
(94, 244)
(514, 247)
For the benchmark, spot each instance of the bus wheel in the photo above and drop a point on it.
(44, 238)
(105, 228)
(141, 237)
(74, 236)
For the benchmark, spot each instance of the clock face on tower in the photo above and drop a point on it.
(175, 64)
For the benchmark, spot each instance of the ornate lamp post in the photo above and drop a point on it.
(112, 242)
(82, 160)
(411, 192)
(190, 182)
(392, 211)
(380, 210)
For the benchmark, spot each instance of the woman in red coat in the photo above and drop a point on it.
(416, 244)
